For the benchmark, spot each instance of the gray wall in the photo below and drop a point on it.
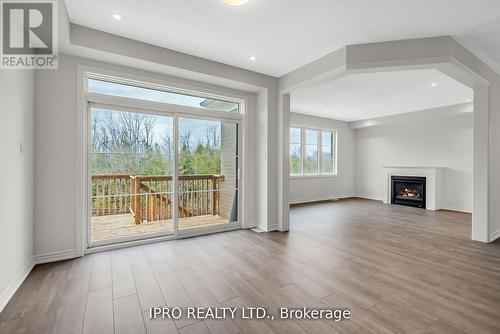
(16, 178)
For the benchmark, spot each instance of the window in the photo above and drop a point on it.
(156, 95)
(312, 152)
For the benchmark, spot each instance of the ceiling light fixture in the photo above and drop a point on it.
(434, 84)
(252, 58)
(235, 3)
(116, 16)
(468, 100)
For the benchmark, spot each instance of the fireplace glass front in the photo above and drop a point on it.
(408, 190)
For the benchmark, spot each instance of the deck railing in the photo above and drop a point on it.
(150, 197)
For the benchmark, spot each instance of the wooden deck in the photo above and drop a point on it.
(123, 225)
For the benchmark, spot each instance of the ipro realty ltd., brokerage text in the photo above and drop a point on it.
(261, 313)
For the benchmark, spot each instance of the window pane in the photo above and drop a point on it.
(327, 158)
(295, 136)
(295, 155)
(311, 151)
(327, 152)
(207, 185)
(128, 149)
(326, 138)
(326, 164)
(154, 95)
(311, 137)
(311, 159)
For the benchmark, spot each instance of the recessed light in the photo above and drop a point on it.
(468, 100)
(253, 58)
(116, 16)
(434, 84)
(235, 3)
(325, 110)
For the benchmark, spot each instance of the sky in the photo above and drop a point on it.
(110, 88)
(146, 94)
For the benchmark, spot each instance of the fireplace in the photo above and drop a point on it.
(408, 190)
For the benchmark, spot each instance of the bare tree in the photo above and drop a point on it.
(185, 140)
(212, 137)
(148, 125)
(167, 143)
(96, 134)
(129, 131)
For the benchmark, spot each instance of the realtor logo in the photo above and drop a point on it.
(29, 34)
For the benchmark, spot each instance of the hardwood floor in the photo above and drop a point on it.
(398, 269)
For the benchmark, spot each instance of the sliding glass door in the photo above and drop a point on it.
(153, 175)
(161, 162)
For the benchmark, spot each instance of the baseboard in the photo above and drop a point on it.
(56, 256)
(495, 235)
(318, 199)
(269, 228)
(15, 284)
(250, 225)
(370, 197)
(274, 227)
(454, 208)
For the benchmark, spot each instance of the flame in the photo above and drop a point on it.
(410, 192)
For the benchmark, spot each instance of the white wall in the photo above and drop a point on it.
(16, 178)
(494, 160)
(55, 160)
(312, 188)
(441, 142)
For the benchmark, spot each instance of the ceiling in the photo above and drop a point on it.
(484, 42)
(283, 35)
(363, 96)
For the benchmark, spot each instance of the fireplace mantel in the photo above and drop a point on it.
(433, 177)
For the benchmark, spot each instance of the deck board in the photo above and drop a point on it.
(123, 225)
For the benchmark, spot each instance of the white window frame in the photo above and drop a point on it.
(87, 99)
(319, 150)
